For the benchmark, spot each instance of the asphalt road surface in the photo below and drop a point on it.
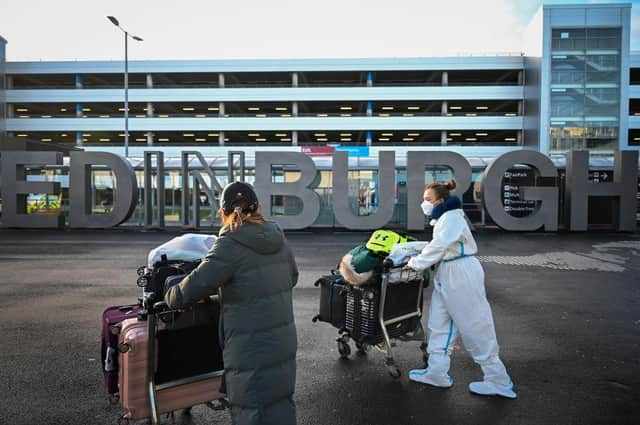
(566, 307)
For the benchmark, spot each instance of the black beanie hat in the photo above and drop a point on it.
(238, 194)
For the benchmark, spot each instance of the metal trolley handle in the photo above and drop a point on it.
(151, 357)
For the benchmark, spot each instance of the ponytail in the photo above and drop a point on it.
(237, 218)
(442, 190)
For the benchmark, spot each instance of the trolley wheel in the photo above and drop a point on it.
(114, 398)
(186, 411)
(123, 420)
(394, 371)
(344, 349)
(425, 359)
(363, 348)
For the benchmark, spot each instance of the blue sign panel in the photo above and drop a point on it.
(354, 150)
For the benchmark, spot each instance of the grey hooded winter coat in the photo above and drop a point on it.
(257, 271)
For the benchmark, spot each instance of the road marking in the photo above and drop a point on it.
(606, 257)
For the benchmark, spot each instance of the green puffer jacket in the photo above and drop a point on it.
(257, 271)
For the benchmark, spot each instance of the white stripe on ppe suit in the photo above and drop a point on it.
(459, 304)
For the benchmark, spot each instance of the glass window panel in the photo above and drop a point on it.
(567, 62)
(602, 77)
(601, 95)
(567, 77)
(601, 110)
(602, 62)
(602, 144)
(603, 38)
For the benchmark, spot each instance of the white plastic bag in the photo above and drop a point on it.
(401, 252)
(187, 247)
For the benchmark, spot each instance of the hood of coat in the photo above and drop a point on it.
(266, 238)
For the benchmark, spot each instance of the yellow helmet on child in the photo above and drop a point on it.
(381, 241)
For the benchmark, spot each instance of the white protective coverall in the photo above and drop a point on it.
(459, 303)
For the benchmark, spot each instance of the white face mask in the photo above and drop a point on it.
(427, 208)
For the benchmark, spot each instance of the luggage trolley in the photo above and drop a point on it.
(173, 379)
(377, 313)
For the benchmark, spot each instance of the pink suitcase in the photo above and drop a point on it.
(176, 392)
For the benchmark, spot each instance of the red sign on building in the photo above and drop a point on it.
(317, 150)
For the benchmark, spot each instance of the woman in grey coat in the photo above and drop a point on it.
(253, 264)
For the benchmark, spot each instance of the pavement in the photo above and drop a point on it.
(566, 307)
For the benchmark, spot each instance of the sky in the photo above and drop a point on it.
(209, 29)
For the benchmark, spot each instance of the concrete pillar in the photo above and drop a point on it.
(368, 138)
(294, 109)
(79, 110)
(369, 79)
(520, 78)
(221, 109)
(445, 108)
(443, 138)
(520, 107)
(4, 84)
(78, 138)
(11, 113)
(294, 79)
(221, 138)
(445, 78)
(369, 109)
(294, 138)
(519, 138)
(9, 80)
(221, 80)
(150, 110)
(78, 81)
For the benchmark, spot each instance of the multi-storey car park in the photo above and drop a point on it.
(578, 89)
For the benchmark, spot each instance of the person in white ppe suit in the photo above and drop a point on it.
(459, 304)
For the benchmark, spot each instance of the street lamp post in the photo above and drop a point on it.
(115, 22)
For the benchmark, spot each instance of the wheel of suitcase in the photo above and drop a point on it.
(393, 370)
(123, 420)
(344, 349)
(363, 348)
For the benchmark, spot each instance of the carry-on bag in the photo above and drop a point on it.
(112, 317)
(333, 300)
(153, 279)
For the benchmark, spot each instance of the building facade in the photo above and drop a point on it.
(581, 92)
(579, 88)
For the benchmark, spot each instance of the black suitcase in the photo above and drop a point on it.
(333, 300)
(153, 280)
(362, 311)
